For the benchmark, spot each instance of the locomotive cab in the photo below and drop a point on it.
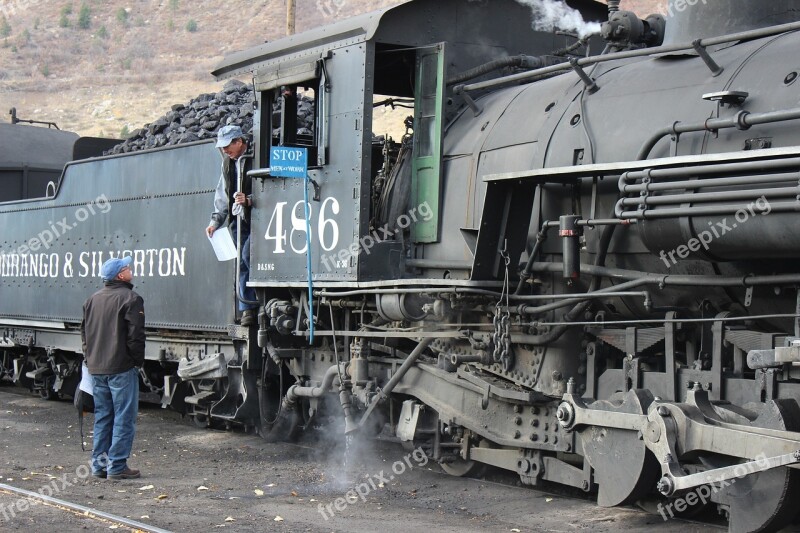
(378, 197)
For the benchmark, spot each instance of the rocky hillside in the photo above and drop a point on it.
(107, 67)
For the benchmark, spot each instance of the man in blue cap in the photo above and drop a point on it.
(113, 338)
(232, 203)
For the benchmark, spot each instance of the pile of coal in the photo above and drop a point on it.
(203, 116)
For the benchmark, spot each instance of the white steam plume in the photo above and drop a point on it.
(550, 14)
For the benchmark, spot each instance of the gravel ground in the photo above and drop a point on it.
(207, 480)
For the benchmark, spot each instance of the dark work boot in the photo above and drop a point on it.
(128, 473)
(248, 317)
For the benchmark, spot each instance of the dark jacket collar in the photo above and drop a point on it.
(118, 283)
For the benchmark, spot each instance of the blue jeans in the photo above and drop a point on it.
(116, 404)
(245, 292)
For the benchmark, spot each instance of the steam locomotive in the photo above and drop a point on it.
(583, 271)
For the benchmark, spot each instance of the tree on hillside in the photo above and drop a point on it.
(191, 26)
(5, 27)
(122, 17)
(63, 21)
(84, 17)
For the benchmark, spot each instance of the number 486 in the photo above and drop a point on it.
(327, 228)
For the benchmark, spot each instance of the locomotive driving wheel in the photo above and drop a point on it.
(462, 468)
(762, 501)
(608, 449)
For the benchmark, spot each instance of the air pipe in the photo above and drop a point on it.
(742, 120)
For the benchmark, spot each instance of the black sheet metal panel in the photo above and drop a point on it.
(31, 158)
(151, 205)
(35, 146)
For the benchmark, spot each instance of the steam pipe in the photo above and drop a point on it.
(638, 279)
(288, 420)
(450, 290)
(456, 360)
(556, 333)
(581, 299)
(296, 392)
(742, 120)
(709, 210)
(525, 274)
(387, 389)
(705, 197)
(439, 264)
(520, 61)
(624, 187)
(757, 167)
(676, 280)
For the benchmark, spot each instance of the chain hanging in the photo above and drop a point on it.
(501, 337)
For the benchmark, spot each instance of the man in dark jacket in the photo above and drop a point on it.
(113, 338)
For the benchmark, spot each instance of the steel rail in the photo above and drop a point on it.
(86, 511)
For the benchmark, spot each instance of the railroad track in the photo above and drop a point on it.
(82, 511)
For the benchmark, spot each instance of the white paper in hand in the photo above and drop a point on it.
(223, 245)
(86, 385)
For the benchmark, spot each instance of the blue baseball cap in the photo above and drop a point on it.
(112, 267)
(227, 134)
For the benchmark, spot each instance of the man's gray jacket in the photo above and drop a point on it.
(112, 329)
(232, 172)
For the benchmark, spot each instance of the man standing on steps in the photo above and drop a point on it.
(113, 338)
(232, 203)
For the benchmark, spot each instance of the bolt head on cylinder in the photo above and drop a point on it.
(565, 415)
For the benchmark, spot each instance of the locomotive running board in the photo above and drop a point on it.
(563, 174)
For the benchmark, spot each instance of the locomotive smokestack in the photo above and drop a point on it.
(687, 21)
(613, 7)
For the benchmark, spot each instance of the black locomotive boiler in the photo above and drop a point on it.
(584, 271)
